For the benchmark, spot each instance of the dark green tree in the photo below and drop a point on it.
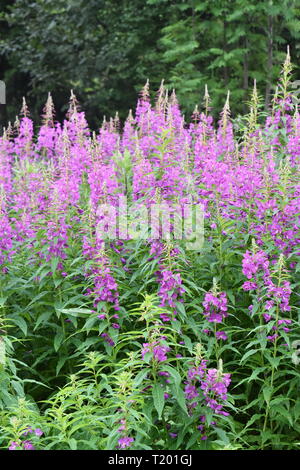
(105, 50)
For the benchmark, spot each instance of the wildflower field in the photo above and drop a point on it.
(151, 342)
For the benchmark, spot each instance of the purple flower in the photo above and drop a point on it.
(267, 317)
(269, 304)
(214, 387)
(108, 339)
(13, 445)
(164, 373)
(272, 338)
(253, 261)
(281, 294)
(248, 285)
(27, 431)
(221, 335)
(105, 287)
(171, 288)
(284, 321)
(206, 331)
(165, 317)
(190, 392)
(158, 350)
(27, 445)
(215, 307)
(125, 442)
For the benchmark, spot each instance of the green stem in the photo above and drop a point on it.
(274, 356)
(216, 342)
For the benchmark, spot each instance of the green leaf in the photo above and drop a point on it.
(222, 435)
(90, 323)
(252, 420)
(54, 263)
(140, 377)
(18, 388)
(60, 364)
(284, 412)
(248, 354)
(2, 352)
(181, 399)
(73, 444)
(21, 323)
(274, 361)
(158, 398)
(267, 392)
(2, 301)
(43, 318)
(58, 339)
(75, 311)
(173, 372)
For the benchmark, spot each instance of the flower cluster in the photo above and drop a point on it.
(171, 288)
(215, 307)
(205, 386)
(256, 266)
(157, 350)
(215, 311)
(105, 287)
(26, 444)
(125, 441)
(252, 264)
(214, 387)
(195, 374)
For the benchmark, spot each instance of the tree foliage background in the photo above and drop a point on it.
(106, 49)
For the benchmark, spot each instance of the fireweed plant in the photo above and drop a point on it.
(143, 343)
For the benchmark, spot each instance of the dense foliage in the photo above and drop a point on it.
(148, 344)
(106, 49)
